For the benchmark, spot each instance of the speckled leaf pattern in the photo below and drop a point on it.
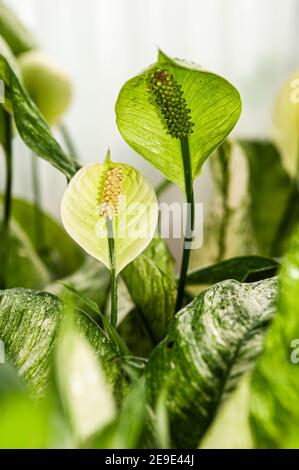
(275, 384)
(211, 343)
(29, 322)
(31, 125)
(215, 108)
(29, 325)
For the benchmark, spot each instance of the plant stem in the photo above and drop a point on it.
(113, 277)
(8, 195)
(39, 227)
(189, 222)
(69, 143)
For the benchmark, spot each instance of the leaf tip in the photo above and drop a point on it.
(108, 156)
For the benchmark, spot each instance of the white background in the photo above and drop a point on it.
(102, 43)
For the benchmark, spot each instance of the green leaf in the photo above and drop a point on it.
(85, 394)
(242, 268)
(254, 204)
(110, 358)
(14, 32)
(162, 187)
(29, 321)
(161, 422)
(135, 333)
(231, 429)
(214, 105)
(30, 123)
(275, 384)
(29, 324)
(6, 52)
(131, 420)
(17, 409)
(61, 255)
(127, 429)
(227, 230)
(135, 326)
(211, 343)
(112, 333)
(159, 252)
(91, 280)
(274, 198)
(23, 267)
(154, 293)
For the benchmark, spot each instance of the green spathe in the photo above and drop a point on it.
(199, 105)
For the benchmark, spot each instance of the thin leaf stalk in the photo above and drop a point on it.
(39, 225)
(69, 143)
(113, 276)
(8, 151)
(190, 220)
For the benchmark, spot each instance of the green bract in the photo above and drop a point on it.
(171, 101)
(48, 85)
(120, 193)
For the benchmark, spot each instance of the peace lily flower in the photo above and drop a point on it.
(175, 114)
(113, 191)
(111, 211)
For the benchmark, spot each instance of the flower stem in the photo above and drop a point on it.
(8, 195)
(113, 277)
(189, 222)
(39, 227)
(69, 143)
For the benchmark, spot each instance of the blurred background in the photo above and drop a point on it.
(102, 43)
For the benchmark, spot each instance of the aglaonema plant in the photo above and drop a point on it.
(174, 115)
